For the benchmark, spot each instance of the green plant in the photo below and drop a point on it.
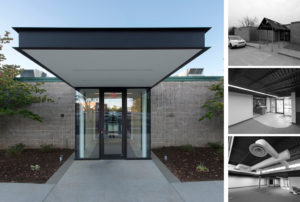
(215, 145)
(15, 150)
(35, 167)
(17, 96)
(46, 147)
(215, 105)
(187, 148)
(202, 168)
(221, 152)
(218, 147)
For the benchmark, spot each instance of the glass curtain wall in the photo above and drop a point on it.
(273, 105)
(87, 123)
(138, 122)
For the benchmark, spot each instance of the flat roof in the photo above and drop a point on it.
(112, 57)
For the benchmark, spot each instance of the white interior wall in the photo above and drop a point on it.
(294, 182)
(241, 181)
(240, 107)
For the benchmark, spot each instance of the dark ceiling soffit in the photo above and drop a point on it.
(231, 172)
(45, 67)
(109, 38)
(183, 64)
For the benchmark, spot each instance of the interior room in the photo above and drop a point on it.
(264, 100)
(264, 169)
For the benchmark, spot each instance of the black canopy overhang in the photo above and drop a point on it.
(111, 39)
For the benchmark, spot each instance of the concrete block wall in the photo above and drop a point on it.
(175, 111)
(54, 129)
(176, 108)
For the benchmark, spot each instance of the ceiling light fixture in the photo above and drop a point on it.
(253, 91)
(294, 165)
(273, 169)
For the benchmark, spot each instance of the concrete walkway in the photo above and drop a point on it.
(278, 47)
(24, 192)
(210, 191)
(113, 180)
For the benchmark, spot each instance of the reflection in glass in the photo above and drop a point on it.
(137, 120)
(112, 123)
(87, 123)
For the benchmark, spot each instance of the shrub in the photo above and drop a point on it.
(215, 145)
(187, 148)
(15, 150)
(218, 147)
(221, 152)
(46, 147)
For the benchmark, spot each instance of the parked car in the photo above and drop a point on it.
(236, 41)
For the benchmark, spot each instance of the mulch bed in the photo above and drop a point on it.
(17, 168)
(183, 163)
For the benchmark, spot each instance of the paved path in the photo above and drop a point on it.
(211, 191)
(250, 56)
(24, 192)
(113, 180)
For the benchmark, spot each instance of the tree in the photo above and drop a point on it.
(248, 22)
(16, 96)
(215, 105)
(231, 30)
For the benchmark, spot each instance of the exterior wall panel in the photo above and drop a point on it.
(295, 32)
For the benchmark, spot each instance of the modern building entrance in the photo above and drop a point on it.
(112, 123)
(112, 71)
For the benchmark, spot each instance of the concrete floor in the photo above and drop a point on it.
(113, 180)
(269, 123)
(250, 194)
(250, 56)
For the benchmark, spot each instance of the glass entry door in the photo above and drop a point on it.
(279, 106)
(112, 124)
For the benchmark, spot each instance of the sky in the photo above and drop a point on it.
(282, 11)
(118, 13)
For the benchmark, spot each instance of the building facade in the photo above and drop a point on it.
(175, 110)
